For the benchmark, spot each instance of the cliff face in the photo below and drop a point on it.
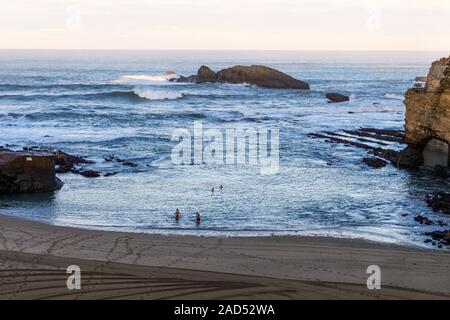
(27, 172)
(428, 109)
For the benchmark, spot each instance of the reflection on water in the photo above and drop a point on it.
(31, 202)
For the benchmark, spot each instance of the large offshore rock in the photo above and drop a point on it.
(27, 172)
(261, 76)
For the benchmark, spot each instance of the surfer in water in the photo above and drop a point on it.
(177, 215)
(197, 217)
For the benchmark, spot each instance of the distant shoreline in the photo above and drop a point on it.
(227, 50)
(34, 258)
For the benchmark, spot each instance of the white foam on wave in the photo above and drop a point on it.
(157, 94)
(333, 108)
(375, 108)
(394, 96)
(139, 78)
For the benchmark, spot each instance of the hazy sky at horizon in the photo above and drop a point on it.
(225, 24)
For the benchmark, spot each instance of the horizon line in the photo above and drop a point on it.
(273, 50)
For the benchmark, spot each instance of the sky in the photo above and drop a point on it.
(226, 24)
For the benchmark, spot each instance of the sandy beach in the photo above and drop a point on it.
(114, 265)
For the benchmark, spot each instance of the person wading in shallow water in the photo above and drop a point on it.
(197, 217)
(177, 215)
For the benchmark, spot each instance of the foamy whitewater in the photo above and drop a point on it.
(100, 103)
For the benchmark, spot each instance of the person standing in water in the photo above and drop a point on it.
(177, 215)
(212, 190)
(221, 187)
(197, 217)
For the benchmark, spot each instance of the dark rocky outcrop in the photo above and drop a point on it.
(90, 174)
(440, 237)
(261, 76)
(410, 157)
(127, 163)
(374, 162)
(22, 172)
(426, 221)
(110, 174)
(440, 172)
(439, 201)
(423, 220)
(64, 162)
(189, 79)
(379, 134)
(205, 74)
(337, 97)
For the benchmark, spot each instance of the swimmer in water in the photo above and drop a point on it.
(197, 217)
(221, 187)
(177, 215)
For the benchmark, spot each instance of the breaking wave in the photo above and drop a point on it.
(138, 78)
(67, 86)
(158, 94)
(136, 93)
(394, 96)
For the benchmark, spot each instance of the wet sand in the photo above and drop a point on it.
(114, 265)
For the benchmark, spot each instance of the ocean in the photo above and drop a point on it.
(100, 103)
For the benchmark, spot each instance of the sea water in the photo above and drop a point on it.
(98, 103)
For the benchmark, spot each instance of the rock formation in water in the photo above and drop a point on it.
(337, 97)
(428, 109)
(427, 118)
(374, 162)
(27, 172)
(261, 76)
(64, 162)
(205, 74)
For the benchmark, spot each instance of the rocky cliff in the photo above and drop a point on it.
(428, 108)
(27, 172)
